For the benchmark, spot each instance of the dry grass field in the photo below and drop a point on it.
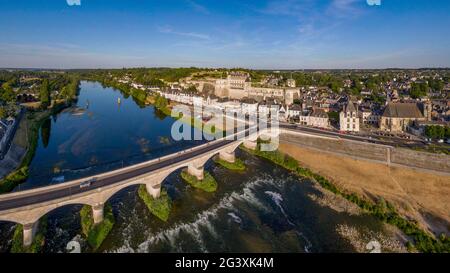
(422, 196)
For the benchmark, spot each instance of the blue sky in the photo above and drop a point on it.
(265, 34)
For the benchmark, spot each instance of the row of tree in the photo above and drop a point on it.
(437, 132)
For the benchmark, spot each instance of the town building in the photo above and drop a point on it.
(317, 118)
(290, 83)
(349, 118)
(249, 106)
(397, 117)
(294, 111)
(369, 117)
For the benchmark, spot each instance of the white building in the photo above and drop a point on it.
(237, 85)
(367, 116)
(290, 82)
(294, 110)
(318, 118)
(197, 101)
(233, 86)
(249, 106)
(349, 118)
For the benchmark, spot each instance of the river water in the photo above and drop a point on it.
(264, 209)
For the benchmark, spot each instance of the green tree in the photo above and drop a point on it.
(7, 93)
(440, 132)
(2, 112)
(418, 90)
(45, 94)
(430, 131)
(161, 102)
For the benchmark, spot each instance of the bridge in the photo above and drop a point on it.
(27, 207)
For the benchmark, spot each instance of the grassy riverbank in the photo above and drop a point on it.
(33, 122)
(160, 207)
(382, 210)
(96, 234)
(38, 242)
(237, 165)
(208, 184)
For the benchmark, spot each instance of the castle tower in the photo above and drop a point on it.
(427, 109)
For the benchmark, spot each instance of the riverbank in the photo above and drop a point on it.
(25, 141)
(382, 210)
(26, 138)
(421, 196)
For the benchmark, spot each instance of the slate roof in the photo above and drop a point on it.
(295, 107)
(319, 113)
(349, 107)
(402, 110)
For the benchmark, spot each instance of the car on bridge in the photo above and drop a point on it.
(88, 183)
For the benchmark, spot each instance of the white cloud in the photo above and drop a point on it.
(169, 30)
(73, 2)
(198, 8)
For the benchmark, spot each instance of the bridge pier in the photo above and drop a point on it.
(29, 231)
(97, 213)
(196, 171)
(227, 156)
(250, 144)
(154, 190)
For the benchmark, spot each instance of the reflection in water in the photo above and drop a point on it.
(45, 132)
(160, 114)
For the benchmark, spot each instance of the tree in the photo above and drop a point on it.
(45, 94)
(447, 132)
(192, 89)
(418, 90)
(2, 112)
(161, 102)
(7, 93)
(437, 132)
(436, 85)
(335, 86)
(430, 131)
(440, 132)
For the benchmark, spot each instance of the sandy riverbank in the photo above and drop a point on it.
(422, 196)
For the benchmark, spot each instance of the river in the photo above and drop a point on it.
(264, 209)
